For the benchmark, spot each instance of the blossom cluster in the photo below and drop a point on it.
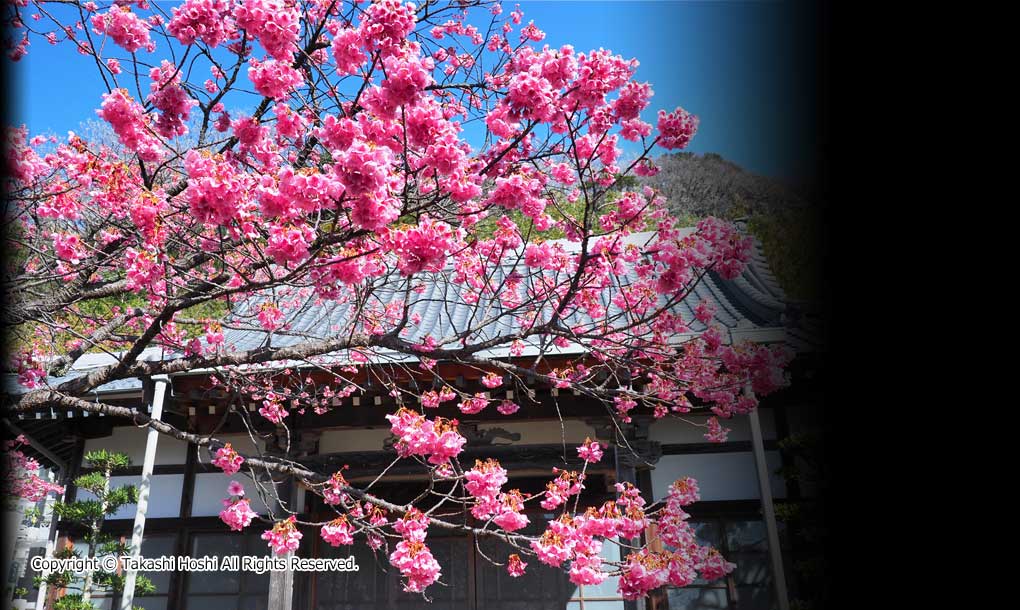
(284, 537)
(275, 23)
(566, 484)
(338, 531)
(437, 439)
(237, 512)
(207, 20)
(21, 473)
(173, 102)
(411, 555)
(590, 451)
(125, 28)
(128, 121)
(228, 460)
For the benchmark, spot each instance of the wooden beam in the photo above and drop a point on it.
(59, 463)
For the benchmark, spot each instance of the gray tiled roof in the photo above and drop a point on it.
(753, 301)
(82, 366)
(749, 306)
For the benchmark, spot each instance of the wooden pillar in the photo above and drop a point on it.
(769, 510)
(281, 587)
(152, 438)
(51, 540)
(281, 582)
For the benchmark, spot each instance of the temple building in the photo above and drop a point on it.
(185, 490)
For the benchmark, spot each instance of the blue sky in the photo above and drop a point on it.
(741, 66)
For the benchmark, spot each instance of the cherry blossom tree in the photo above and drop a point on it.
(272, 156)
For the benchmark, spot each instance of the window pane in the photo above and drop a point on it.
(255, 546)
(540, 588)
(153, 548)
(599, 605)
(215, 545)
(608, 587)
(210, 602)
(746, 536)
(752, 568)
(754, 598)
(707, 532)
(697, 599)
(351, 590)
(254, 602)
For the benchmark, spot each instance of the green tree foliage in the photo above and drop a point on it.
(90, 514)
(790, 240)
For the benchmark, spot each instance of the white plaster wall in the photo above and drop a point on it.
(242, 443)
(131, 440)
(362, 439)
(532, 433)
(164, 496)
(211, 489)
(720, 476)
(549, 432)
(674, 430)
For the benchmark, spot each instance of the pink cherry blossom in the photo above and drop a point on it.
(423, 247)
(275, 23)
(474, 405)
(437, 439)
(288, 244)
(411, 555)
(206, 20)
(273, 410)
(273, 78)
(716, 432)
(334, 492)
(270, 316)
(284, 537)
(386, 24)
(712, 565)
(347, 51)
(492, 380)
(485, 479)
(507, 407)
(173, 102)
(21, 473)
(128, 121)
(237, 514)
(337, 532)
(643, 572)
(125, 28)
(676, 128)
(228, 460)
(509, 516)
(340, 164)
(590, 451)
(514, 565)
